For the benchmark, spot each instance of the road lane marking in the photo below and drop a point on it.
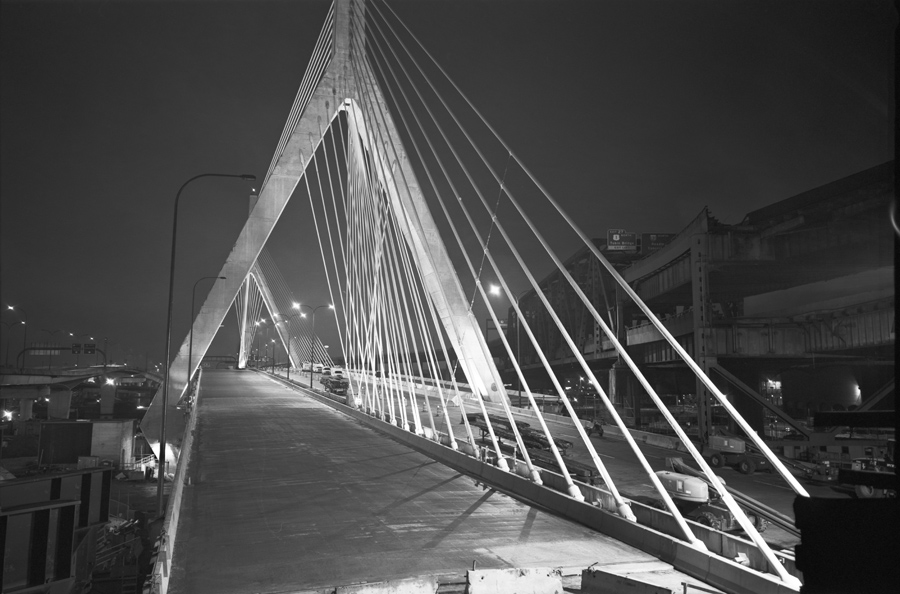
(771, 485)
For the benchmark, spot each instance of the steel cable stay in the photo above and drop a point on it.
(328, 281)
(339, 284)
(573, 490)
(474, 379)
(620, 503)
(322, 54)
(299, 328)
(366, 246)
(415, 297)
(476, 275)
(364, 100)
(659, 327)
(719, 396)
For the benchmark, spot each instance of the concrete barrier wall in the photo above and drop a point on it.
(162, 569)
(726, 545)
(654, 534)
(611, 431)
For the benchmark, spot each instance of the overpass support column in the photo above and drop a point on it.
(621, 390)
(26, 409)
(107, 399)
(60, 402)
(704, 350)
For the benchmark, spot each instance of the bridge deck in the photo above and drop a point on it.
(286, 493)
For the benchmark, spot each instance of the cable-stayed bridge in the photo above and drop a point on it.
(418, 206)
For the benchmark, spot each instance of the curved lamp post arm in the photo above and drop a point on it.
(167, 362)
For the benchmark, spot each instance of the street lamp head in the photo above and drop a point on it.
(296, 305)
(248, 177)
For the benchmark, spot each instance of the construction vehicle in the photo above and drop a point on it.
(733, 451)
(697, 501)
(856, 481)
(716, 514)
(531, 438)
(336, 384)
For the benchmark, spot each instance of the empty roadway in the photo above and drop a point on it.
(289, 494)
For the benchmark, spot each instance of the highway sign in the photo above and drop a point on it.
(76, 348)
(620, 239)
(90, 348)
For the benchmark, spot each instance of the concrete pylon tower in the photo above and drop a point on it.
(336, 79)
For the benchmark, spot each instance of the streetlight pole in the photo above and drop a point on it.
(191, 340)
(312, 347)
(495, 290)
(9, 326)
(288, 324)
(78, 354)
(274, 346)
(258, 322)
(165, 403)
(25, 334)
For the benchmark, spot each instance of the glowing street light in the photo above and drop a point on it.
(25, 334)
(313, 342)
(495, 290)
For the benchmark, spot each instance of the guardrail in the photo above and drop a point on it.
(162, 567)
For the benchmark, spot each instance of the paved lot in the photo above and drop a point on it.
(288, 494)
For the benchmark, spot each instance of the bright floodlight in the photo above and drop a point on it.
(494, 290)
(110, 382)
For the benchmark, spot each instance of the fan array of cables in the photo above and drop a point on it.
(410, 133)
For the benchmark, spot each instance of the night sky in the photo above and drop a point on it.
(634, 114)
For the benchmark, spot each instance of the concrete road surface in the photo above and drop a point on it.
(288, 494)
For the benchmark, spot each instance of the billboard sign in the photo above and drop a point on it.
(650, 242)
(620, 239)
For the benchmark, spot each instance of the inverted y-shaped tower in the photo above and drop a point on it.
(337, 79)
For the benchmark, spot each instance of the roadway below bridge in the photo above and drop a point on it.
(627, 472)
(284, 493)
